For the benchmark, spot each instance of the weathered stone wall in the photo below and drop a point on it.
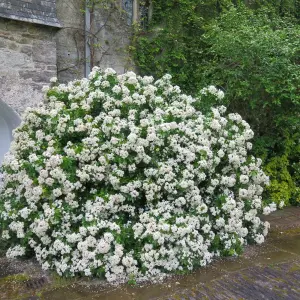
(30, 54)
(27, 62)
(112, 29)
(109, 37)
(70, 40)
(33, 11)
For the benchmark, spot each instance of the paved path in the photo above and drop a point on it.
(280, 281)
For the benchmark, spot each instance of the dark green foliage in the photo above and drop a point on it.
(253, 54)
(254, 57)
(173, 40)
(172, 44)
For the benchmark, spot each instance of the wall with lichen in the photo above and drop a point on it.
(30, 54)
(27, 62)
(110, 34)
(108, 37)
(70, 40)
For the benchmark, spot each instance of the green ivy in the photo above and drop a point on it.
(172, 43)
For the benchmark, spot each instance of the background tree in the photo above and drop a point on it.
(250, 49)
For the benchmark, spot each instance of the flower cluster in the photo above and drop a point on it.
(122, 176)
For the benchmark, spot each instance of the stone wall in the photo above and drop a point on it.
(27, 61)
(30, 54)
(33, 11)
(109, 37)
(111, 30)
(70, 40)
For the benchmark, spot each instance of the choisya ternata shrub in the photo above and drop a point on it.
(123, 177)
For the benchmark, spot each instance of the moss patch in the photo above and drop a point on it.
(14, 278)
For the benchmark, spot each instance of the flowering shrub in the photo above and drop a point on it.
(123, 177)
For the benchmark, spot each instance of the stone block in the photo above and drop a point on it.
(15, 26)
(3, 24)
(12, 46)
(38, 32)
(27, 59)
(22, 40)
(52, 68)
(37, 86)
(39, 66)
(40, 12)
(37, 76)
(44, 52)
(12, 61)
(26, 49)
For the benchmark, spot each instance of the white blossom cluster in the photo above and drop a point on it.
(123, 177)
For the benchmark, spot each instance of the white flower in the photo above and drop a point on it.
(5, 234)
(57, 192)
(243, 193)
(24, 212)
(221, 153)
(266, 210)
(244, 179)
(259, 239)
(273, 207)
(15, 252)
(102, 246)
(45, 89)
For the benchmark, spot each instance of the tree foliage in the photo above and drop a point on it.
(250, 51)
